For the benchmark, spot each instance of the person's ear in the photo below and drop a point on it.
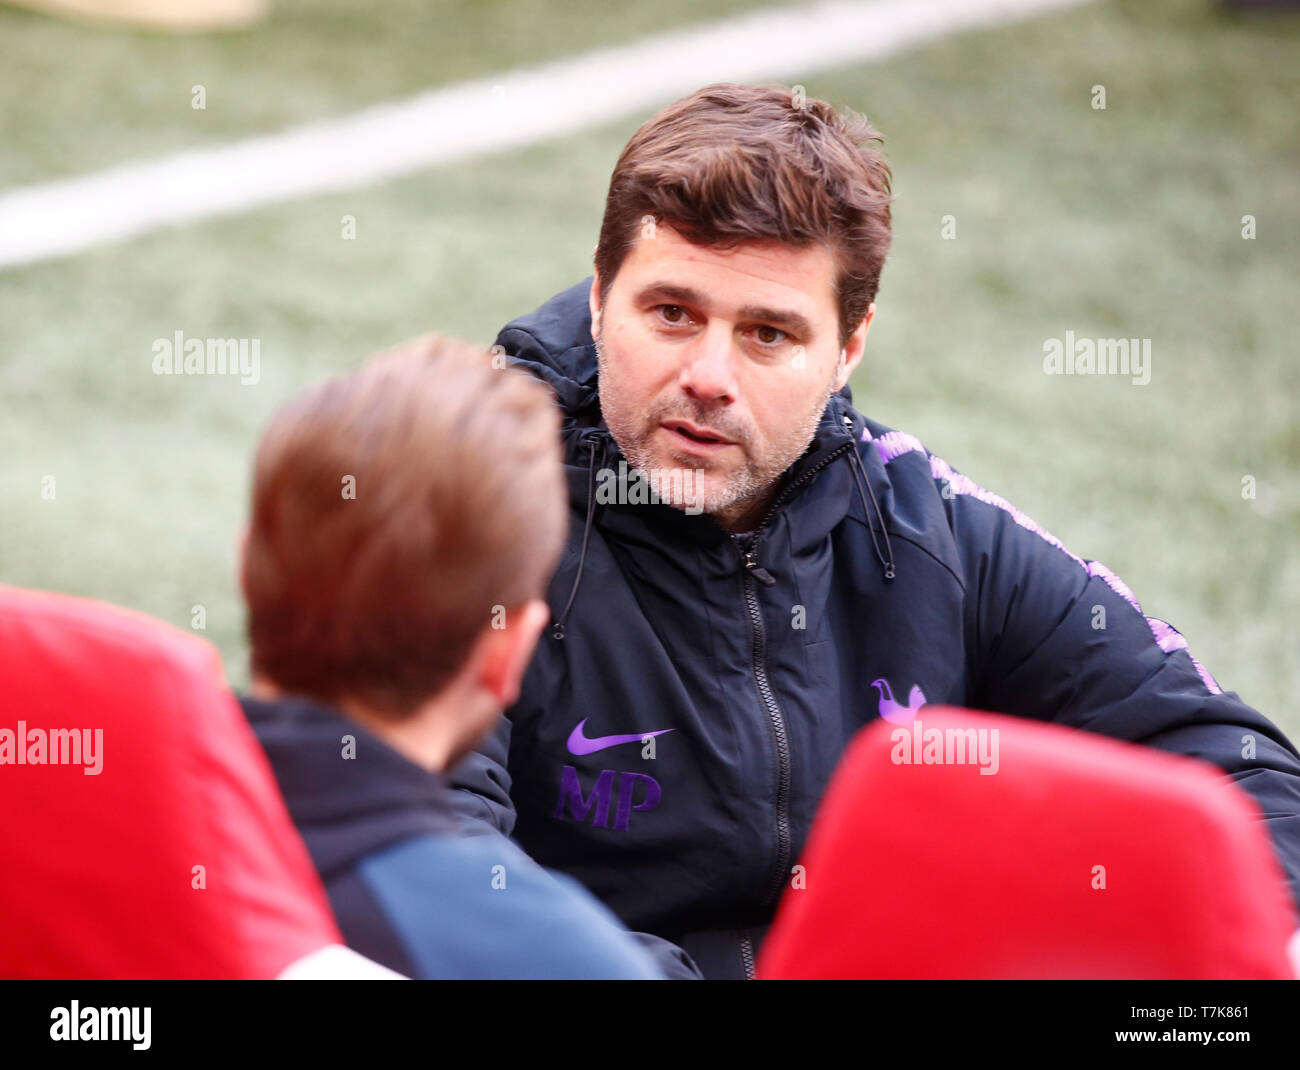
(503, 654)
(851, 354)
(593, 303)
(241, 560)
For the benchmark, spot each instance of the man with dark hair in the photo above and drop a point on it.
(805, 570)
(405, 520)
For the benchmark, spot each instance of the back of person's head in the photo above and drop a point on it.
(398, 513)
(737, 163)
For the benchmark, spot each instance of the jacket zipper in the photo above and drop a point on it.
(747, 954)
(777, 724)
(754, 571)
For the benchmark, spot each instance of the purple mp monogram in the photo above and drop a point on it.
(601, 796)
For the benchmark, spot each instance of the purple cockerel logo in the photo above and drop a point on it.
(895, 712)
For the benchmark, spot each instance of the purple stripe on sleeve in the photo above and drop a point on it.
(1169, 638)
(896, 443)
(960, 484)
(1096, 568)
(1206, 678)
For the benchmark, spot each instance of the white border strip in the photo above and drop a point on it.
(334, 962)
(472, 119)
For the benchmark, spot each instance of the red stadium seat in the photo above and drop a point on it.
(1080, 857)
(176, 859)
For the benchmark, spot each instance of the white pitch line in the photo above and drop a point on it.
(460, 122)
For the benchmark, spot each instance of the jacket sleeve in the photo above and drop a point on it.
(1058, 638)
(480, 784)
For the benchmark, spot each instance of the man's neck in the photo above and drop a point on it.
(421, 737)
(743, 517)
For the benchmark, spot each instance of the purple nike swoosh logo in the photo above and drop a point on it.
(580, 744)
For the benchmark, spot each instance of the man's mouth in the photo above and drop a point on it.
(699, 439)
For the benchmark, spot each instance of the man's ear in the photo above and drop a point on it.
(593, 303)
(501, 655)
(851, 355)
(241, 560)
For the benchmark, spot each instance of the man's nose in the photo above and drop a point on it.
(709, 371)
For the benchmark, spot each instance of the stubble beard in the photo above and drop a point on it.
(725, 496)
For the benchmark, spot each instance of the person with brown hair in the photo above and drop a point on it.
(711, 655)
(405, 520)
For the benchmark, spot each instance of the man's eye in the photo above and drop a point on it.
(673, 313)
(769, 336)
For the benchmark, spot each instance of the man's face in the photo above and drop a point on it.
(719, 362)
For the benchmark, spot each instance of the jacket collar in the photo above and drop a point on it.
(347, 799)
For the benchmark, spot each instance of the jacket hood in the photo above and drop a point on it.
(344, 807)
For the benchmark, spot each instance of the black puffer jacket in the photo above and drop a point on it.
(880, 578)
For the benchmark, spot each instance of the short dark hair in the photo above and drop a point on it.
(735, 163)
